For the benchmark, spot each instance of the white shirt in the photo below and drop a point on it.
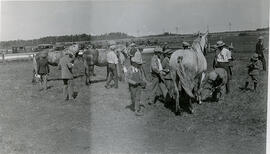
(229, 54)
(134, 69)
(112, 58)
(224, 55)
(159, 65)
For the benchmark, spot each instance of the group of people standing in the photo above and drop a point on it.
(222, 73)
(161, 83)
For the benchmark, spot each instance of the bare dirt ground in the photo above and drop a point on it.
(33, 121)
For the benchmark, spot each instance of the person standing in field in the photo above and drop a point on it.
(157, 86)
(259, 51)
(112, 60)
(79, 68)
(253, 72)
(231, 59)
(136, 82)
(166, 73)
(132, 50)
(165, 46)
(43, 70)
(222, 60)
(66, 65)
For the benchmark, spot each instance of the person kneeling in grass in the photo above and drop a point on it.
(214, 86)
(137, 82)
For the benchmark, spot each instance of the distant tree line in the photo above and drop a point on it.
(64, 38)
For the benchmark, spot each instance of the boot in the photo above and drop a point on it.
(246, 86)
(255, 86)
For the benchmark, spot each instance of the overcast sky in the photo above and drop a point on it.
(28, 20)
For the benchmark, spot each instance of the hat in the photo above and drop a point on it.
(80, 53)
(167, 52)
(231, 47)
(68, 52)
(213, 76)
(158, 50)
(220, 44)
(260, 38)
(185, 44)
(255, 56)
(112, 47)
(137, 58)
(132, 45)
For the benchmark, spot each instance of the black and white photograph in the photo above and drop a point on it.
(134, 76)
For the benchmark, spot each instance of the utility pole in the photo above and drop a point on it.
(230, 26)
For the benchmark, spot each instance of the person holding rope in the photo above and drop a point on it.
(136, 81)
(66, 65)
(158, 89)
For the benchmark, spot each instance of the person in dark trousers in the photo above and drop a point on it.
(112, 67)
(136, 81)
(158, 88)
(66, 65)
(222, 61)
(231, 59)
(43, 70)
(259, 51)
(253, 72)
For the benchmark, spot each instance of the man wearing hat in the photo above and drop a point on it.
(158, 88)
(253, 71)
(43, 70)
(112, 60)
(165, 46)
(185, 45)
(222, 60)
(259, 51)
(136, 81)
(230, 57)
(132, 50)
(166, 71)
(79, 67)
(217, 79)
(66, 65)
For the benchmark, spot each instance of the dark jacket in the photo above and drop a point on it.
(66, 67)
(259, 48)
(43, 66)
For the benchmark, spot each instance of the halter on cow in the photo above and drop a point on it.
(188, 69)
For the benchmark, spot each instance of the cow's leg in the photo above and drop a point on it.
(87, 75)
(176, 92)
(33, 76)
(107, 75)
(94, 70)
(200, 87)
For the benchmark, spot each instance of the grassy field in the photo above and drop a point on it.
(33, 121)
